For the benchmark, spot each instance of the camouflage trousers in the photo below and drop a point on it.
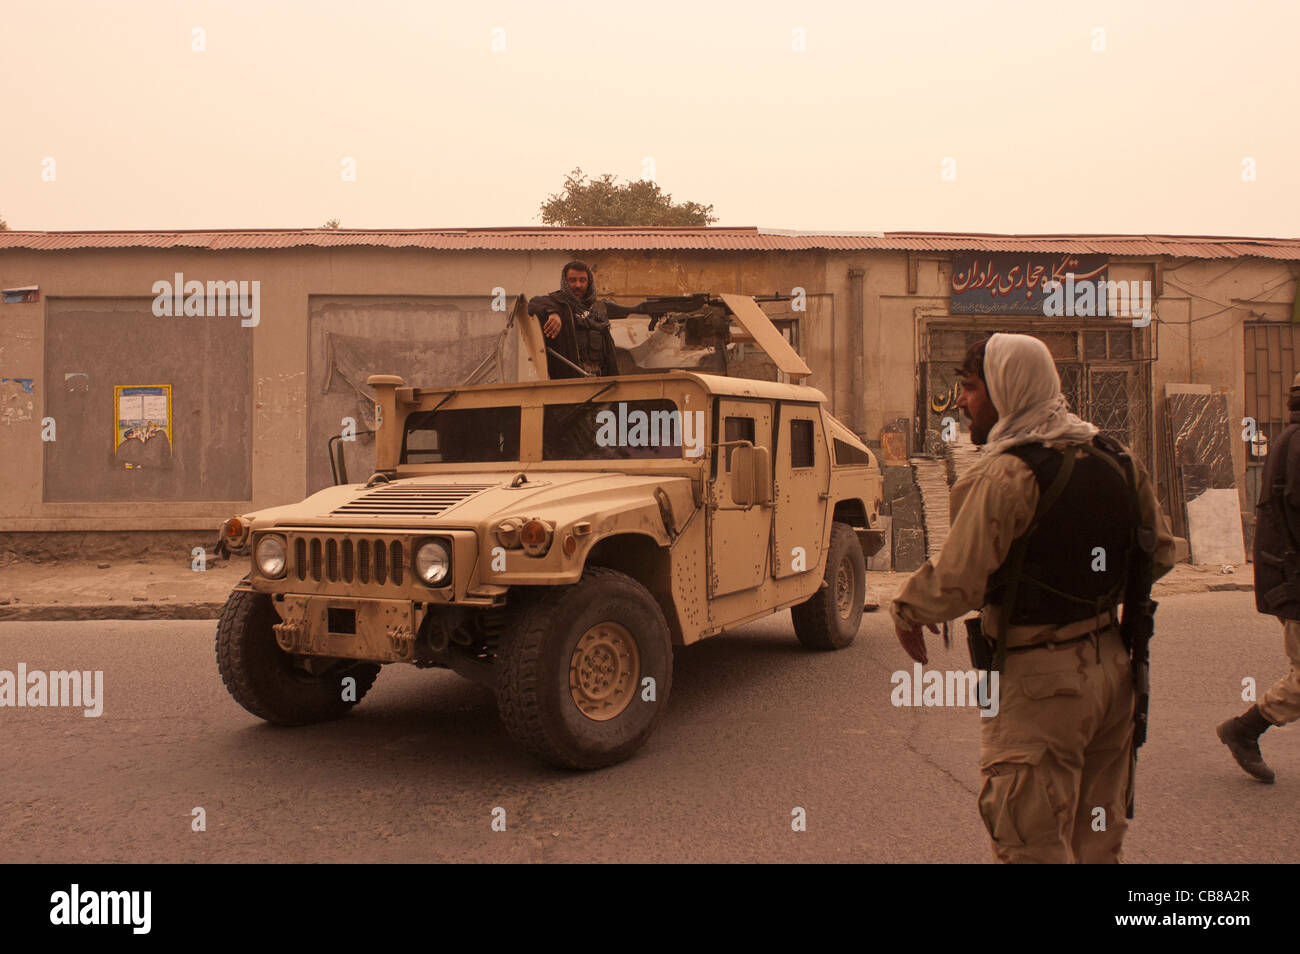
(1055, 759)
(1282, 701)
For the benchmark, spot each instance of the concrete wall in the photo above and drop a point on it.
(95, 344)
(428, 341)
(1203, 311)
(445, 297)
(278, 439)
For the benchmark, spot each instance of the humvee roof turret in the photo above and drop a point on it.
(555, 539)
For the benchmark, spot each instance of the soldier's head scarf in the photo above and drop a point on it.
(1026, 390)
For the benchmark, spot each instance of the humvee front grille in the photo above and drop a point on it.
(412, 501)
(344, 559)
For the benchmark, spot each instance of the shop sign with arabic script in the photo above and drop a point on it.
(1012, 283)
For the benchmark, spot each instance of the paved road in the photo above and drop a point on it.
(756, 727)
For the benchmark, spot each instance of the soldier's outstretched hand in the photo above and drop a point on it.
(913, 640)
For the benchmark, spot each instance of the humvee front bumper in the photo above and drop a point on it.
(370, 629)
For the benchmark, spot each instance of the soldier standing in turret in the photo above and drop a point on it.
(576, 324)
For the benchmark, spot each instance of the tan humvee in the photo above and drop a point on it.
(555, 539)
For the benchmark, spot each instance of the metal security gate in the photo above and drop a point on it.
(1105, 375)
(1270, 367)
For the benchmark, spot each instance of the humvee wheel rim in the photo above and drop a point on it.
(844, 590)
(604, 671)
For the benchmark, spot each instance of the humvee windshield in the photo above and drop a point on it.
(605, 430)
(612, 430)
(467, 435)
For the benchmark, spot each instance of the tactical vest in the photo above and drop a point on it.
(590, 330)
(1076, 559)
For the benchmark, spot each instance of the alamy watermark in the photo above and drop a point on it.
(216, 299)
(638, 428)
(953, 687)
(76, 907)
(59, 688)
(1098, 298)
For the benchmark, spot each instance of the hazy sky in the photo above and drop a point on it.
(1046, 134)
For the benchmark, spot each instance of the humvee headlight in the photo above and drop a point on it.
(270, 556)
(535, 535)
(432, 561)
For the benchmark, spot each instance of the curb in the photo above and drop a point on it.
(55, 612)
(66, 612)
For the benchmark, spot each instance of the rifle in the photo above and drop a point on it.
(1136, 628)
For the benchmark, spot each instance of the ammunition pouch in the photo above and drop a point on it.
(591, 332)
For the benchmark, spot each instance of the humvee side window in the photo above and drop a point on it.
(801, 443)
(613, 430)
(848, 454)
(737, 429)
(464, 435)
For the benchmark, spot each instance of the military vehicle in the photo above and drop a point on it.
(556, 540)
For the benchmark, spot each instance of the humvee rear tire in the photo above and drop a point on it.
(584, 677)
(264, 679)
(830, 618)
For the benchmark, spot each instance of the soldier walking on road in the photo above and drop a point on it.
(1277, 592)
(1044, 530)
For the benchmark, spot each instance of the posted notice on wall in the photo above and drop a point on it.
(142, 412)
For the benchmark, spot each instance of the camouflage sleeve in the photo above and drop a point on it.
(988, 511)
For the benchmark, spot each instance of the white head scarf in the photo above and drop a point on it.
(1026, 391)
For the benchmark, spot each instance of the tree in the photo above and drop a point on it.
(331, 224)
(4, 226)
(587, 201)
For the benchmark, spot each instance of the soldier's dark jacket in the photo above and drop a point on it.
(584, 336)
(1283, 465)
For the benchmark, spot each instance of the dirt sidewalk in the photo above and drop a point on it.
(162, 588)
(116, 589)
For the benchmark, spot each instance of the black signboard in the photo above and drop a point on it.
(1014, 283)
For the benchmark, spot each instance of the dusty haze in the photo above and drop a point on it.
(1047, 134)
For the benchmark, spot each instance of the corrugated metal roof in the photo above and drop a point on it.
(530, 238)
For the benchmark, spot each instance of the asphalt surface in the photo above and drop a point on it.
(756, 727)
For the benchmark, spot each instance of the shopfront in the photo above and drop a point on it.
(1104, 360)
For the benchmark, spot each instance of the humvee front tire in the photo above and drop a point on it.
(584, 677)
(830, 618)
(264, 679)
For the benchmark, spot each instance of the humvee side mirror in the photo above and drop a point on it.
(334, 450)
(338, 464)
(751, 475)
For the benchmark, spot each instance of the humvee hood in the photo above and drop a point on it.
(469, 499)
